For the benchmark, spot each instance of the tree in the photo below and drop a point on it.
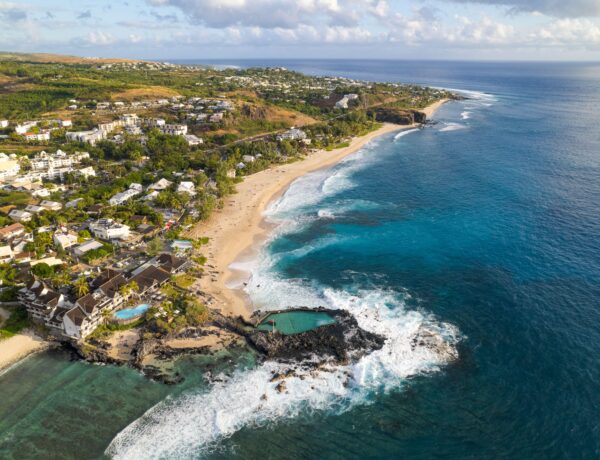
(43, 270)
(154, 246)
(81, 287)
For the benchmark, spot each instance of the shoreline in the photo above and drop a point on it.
(18, 347)
(237, 231)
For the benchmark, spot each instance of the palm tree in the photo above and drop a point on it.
(81, 287)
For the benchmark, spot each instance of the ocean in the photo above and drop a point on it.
(482, 228)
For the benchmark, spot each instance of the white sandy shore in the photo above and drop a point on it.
(237, 230)
(18, 347)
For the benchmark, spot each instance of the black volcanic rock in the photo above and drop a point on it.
(341, 341)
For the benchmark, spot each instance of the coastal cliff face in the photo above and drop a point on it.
(397, 116)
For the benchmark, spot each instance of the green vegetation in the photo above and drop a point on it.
(16, 322)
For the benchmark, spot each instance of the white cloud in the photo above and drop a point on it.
(559, 8)
(568, 32)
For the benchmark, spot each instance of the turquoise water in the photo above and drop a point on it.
(130, 313)
(295, 322)
(484, 229)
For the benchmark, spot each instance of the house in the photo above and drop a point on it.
(11, 231)
(42, 136)
(151, 278)
(216, 117)
(160, 185)
(171, 263)
(65, 123)
(20, 215)
(3, 124)
(86, 247)
(121, 197)
(24, 257)
(51, 205)
(186, 187)
(292, 135)
(174, 129)
(73, 203)
(343, 102)
(41, 193)
(23, 128)
(108, 229)
(86, 172)
(34, 209)
(151, 196)
(193, 139)
(64, 240)
(90, 137)
(6, 254)
(44, 305)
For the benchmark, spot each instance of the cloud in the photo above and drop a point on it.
(12, 13)
(84, 15)
(95, 38)
(269, 14)
(568, 32)
(556, 8)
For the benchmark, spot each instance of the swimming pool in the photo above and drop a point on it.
(130, 313)
(295, 322)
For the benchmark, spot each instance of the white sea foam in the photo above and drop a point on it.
(452, 127)
(401, 134)
(415, 343)
(192, 424)
(465, 115)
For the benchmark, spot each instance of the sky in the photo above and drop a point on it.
(237, 29)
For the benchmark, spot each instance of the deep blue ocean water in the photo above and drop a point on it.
(483, 228)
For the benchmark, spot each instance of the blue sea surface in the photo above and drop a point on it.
(482, 229)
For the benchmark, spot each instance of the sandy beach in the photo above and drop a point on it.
(18, 347)
(236, 231)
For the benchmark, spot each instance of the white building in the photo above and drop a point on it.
(23, 128)
(187, 187)
(193, 139)
(20, 215)
(86, 172)
(121, 197)
(64, 240)
(108, 229)
(40, 137)
(292, 135)
(86, 247)
(8, 167)
(51, 205)
(160, 185)
(6, 254)
(3, 123)
(89, 137)
(174, 129)
(343, 102)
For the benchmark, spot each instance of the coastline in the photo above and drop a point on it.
(19, 347)
(237, 230)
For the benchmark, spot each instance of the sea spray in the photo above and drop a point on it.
(194, 423)
(415, 343)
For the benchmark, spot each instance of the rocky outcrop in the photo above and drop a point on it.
(397, 116)
(341, 342)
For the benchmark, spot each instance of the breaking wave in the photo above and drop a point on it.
(416, 343)
(452, 127)
(195, 423)
(401, 134)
